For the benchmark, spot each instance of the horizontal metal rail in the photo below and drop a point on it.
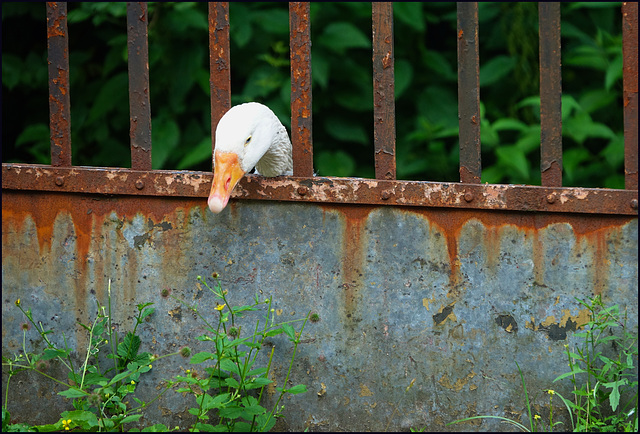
(322, 189)
(61, 176)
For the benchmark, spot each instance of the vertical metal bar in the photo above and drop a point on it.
(59, 100)
(139, 104)
(630, 92)
(384, 109)
(219, 64)
(301, 118)
(469, 92)
(550, 94)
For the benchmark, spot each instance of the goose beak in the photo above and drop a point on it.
(226, 174)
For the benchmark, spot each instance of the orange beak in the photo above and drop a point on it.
(226, 174)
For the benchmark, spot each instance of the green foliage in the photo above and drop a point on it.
(231, 387)
(425, 86)
(99, 394)
(607, 399)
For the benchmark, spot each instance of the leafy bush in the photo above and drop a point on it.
(425, 86)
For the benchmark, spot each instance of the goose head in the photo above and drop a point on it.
(243, 136)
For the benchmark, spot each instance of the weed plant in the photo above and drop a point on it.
(100, 392)
(233, 387)
(605, 388)
(229, 393)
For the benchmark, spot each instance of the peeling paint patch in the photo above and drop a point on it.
(365, 391)
(445, 312)
(507, 322)
(557, 330)
(444, 381)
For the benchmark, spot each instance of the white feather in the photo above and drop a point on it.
(257, 136)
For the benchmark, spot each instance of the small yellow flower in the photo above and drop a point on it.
(150, 367)
(188, 370)
(133, 382)
(537, 417)
(18, 302)
(551, 392)
(65, 424)
(220, 306)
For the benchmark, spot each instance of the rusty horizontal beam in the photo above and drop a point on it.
(116, 181)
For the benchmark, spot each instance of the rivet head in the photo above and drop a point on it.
(59, 181)
(302, 190)
(634, 203)
(386, 195)
(139, 184)
(468, 196)
(551, 198)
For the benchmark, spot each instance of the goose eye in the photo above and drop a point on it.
(246, 142)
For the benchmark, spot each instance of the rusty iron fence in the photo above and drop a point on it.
(303, 186)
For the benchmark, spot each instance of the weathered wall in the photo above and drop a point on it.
(448, 297)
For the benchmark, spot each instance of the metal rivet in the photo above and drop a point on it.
(634, 203)
(551, 198)
(302, 190)
(468, 196)
(386, 195)
(139, 184)
(59, 181)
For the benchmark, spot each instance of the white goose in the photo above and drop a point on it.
(248, 135)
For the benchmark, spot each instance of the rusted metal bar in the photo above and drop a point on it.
(469, 92)
(59, 100)
(139, 104)
(630, 92)
(550, 94)
(95, 180)
(384, 109)
(301, 119)
(219, 65)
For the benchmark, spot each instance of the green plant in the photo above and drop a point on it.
(425, 72)
(607, 399)
(231, 387)
(597, 405)
(100, 393)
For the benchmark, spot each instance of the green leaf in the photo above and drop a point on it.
(435, 61)
(229, 365)
(73, 393)
(403, 75)
(131, 418)
(341, 129)
(202, 357)
(614, 72)
(341, 36)
(128, 348)
(512, 156)
(410, 13)
(119, 377)
(165, 136)
(51, 353)
(232, 382)
(495, 69)
(257, 383)
(569, 374)
(232, 412)
(299, 388)
(335, 163)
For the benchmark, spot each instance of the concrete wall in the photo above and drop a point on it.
(448, 297)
